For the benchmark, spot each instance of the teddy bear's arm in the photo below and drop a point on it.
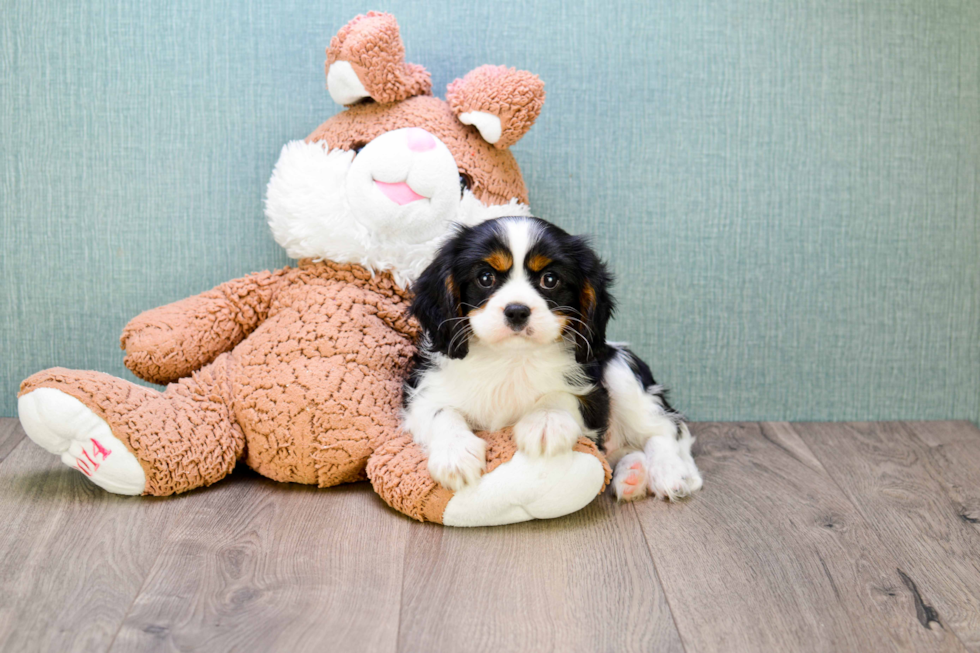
(167, 343)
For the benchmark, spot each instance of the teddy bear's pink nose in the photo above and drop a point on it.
(420, 140)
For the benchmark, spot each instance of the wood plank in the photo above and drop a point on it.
(74, 556)
(580, 583)
(954, 452)
(920, 494)
(11, 435)
(255, 565)
(771, 555)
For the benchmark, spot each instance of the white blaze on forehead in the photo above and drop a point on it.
(520, 235)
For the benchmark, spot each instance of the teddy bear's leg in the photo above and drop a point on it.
(133, 440)
(515, 487)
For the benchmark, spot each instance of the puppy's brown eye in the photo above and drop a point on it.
(357, 147)
(549, 280)
(486, 279)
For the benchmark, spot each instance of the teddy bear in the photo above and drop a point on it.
(298, 372)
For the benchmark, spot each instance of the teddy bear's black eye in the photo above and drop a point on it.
(465, 182)
(486, 279)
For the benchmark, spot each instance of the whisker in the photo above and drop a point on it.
(584, 339)
(452, 319)
(556, 307)
(563, 308)
(573, 310)
(464, 332)
(583, 323)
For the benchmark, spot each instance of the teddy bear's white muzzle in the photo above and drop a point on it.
(405, 183)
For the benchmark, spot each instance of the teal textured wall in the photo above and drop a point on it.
(787, 190)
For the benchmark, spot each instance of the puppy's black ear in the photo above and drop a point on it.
(438, 307)
(595, 304)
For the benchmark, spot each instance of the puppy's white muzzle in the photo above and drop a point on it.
(516, 316)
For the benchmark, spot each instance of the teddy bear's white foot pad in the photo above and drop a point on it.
(526, 488)
(69, 429)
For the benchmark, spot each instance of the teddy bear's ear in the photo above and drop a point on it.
(367, 59)
(502, 103)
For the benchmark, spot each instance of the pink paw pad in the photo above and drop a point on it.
(630, 479)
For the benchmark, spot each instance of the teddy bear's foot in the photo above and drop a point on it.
(528, 487)
(66, 427)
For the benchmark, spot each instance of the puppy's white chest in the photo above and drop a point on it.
(493, 390)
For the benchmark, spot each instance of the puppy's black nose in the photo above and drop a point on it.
(517, 316)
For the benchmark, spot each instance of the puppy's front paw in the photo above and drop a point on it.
(547, 432)
(458, 460)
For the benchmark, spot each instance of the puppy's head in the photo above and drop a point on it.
(514, 283)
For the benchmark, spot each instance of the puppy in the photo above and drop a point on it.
(513, 314)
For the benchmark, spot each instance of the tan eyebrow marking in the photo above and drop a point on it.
(500, 261)
(538, 262)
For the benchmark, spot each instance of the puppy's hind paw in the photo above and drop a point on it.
(670, 476)
(457, 461)
(629, 481)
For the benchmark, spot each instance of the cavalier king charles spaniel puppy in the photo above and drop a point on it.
(513, 314)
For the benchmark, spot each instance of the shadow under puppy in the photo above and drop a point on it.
(513, 314)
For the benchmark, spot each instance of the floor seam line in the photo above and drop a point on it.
(656, 571)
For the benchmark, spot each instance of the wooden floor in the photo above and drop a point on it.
(817, 537)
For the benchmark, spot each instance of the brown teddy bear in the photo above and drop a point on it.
(299, 372)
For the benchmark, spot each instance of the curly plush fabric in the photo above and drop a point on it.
(169, 342)
(305, 396)
(514, 96)
(299, 372)
(496, 177)
(398, 473)
(373, 47)
(184, 437)
(305, 385)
